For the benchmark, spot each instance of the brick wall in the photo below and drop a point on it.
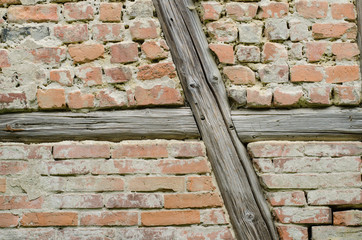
(314, 188)
(99, 190)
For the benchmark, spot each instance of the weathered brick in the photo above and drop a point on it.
(213, 216)
(336, 233)
(154, 50)
(274, 73)
(295, 198)
(224, 52)
(77, 100)
(64, 201)
(333, 149)
(241, 11)
(250, 32)
(19, 202)
(111, 98)
(108, 32)
(82, 53)
(86, 233)
(237, 95)
(51, 98)
(240, 75)
(140, 9)
(124, 52)
(4, 59)
(345, 50)
(71, 167)
(45, 219)
(169, 218)
(13, 167)
(347, 218)
(13, 100)
(258, 97)
(37, 13)
(292, 232)
(296, 51)
(117, 74)
(345, 196)
(91, 76)
(308, 215)
(183, 166)
(193, 200)
(334, 30)
(205, 233)
(200, 183)
(223, 31)
(154, 71)
(78, 11)
(274, 52)
(186, 149)
(134, 200)
(312, 8)
(114, 218)
(83, 184)
(343, 11)
(158, 95)
(315, 50)
(263, 165)
(8, 220)
(30, 233)
(2, 184)
(134, 149)
(287, 96)
(144, 29)
(340, 74)
(346, 95)
(299, 30)
(63, 77)
(121, 167)
(61, 151)
(276, 29)
(71, 33)
(211, 10)
(48, 55)
(152, 184)
(306, 73)
(276, 149)
(110, 12)
(17, 33)
(274, 9)
(248, 53)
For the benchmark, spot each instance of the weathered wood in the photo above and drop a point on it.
(359, 25)
(102, 125)
(205, 93)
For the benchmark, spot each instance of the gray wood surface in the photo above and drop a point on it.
(359, 25)
(205, 93)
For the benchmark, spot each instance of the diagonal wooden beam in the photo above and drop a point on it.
(205, 92)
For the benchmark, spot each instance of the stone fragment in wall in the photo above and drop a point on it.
(287, 96)
(90, 75)
(238, 95)
(111, 98)
(296, 51)
(15, 34)
(144, 29)
(62, 76)
(274, 73)
(108, 32)
(140, 9)
(241, 11)
(276, 29)
(250, 32)
(299, 30)
(273, 52)
(347, 95)
(273, 9)
(223, 30)
(318, 95)
(259, 98)
(248, 53)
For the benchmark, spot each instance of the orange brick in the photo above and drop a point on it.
(334, 30)
(110, 12)
(287, 96)
(71, 33)
(51, 98)
(240, 75)
(306, 73)
(78, 11)
(347, 218)
(62, 151)
(141, 30)
(315, 50)
(154, 71)
(183, 166)
(63, 77)
(44, 219)
(4, 59)
(91, 76)
(241, 11)
(38, 13)
(124, 52)
(319, 95)
(343, 11)
(153, 50)
(345, 50)
(114, 218)
(117, 74)
(152, 184)
(340, 74)
(82, 53)
(140, 150)
(111, 98)
(158, 95)
(192, 200)
(315, 215)
(274, 10)
(201, 183)
(169, 218)
(19, 202)
(347, 95)
(8, 220)
(312, 8)
(259, 98)
(274, 52)
(107, 32)
(224, 52)
(211, 10)
(292, 232)
(77, 100)
(48, 55)
(2, 185)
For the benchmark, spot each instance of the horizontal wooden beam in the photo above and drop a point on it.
(178, 123)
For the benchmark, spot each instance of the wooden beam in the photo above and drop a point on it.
(359, 25)
(206, 95)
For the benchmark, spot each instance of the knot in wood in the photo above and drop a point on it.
(249, 216)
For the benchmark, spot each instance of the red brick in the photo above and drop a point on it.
(158, 95)
(154, 71)
(71, 33)
(64, 201)
(111, 98)
(114, 218)
(78, 11)
(274, 10)
(82, 53)
(340, 74)
(213, 216)
(2, 185)
(48, 55)
(200, 183)
(241, 11)
(169, 218)
(70, 167)
(148, 149)
(306, 73)
(108, 32)
(118, 74)
(319, 95)
(62, 151)
(223, 31)
(91, 76)
(343, 11)
(295, 198)
(258, 97)
(152, 184)
(141, 30)
(345, 50)
(292, 232)
(274, 73)
(38, 13)
(211, 10)
(192, 200)
(345, 196)
(13, 167)
(337, 30)
(224, 52)
(77, 100)
(19, 202)
(124, 52)
(315, 215)
(347, 95)
(183, 166)
(274, 52)
(63, 77)
(8, 220)
(8, 98)
(248, 53)
(240, 75)
(287, 96)
(153, 50)
(312, 8)
(347, 218)
(127, 166)
(4, 59)
(186, 149)
(51, 98)
(276, 149)
(110, 12)
(315, 50)
(134, 200)
(44, 219)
